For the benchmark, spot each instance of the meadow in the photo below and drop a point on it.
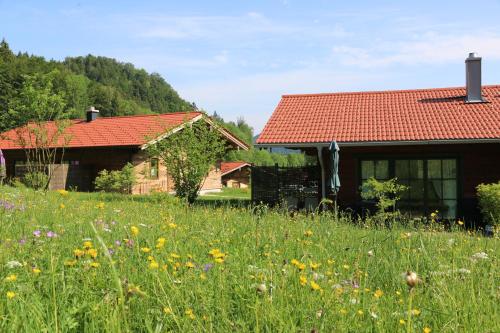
(74, 262)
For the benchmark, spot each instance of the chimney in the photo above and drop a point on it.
(473, 78)
(92, 114)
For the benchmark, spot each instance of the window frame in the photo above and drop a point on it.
(425, 158)
(150, 169)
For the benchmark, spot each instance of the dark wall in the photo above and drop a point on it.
(478, 163)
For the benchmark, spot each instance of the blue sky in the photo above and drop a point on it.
(239, 57)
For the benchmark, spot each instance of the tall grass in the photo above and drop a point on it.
(271, 273)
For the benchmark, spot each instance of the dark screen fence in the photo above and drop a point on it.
(298, 188)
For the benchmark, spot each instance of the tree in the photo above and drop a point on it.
(42, 112)
(189, 155)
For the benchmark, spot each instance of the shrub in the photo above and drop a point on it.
(489, 202)
(386, 193)
(119, 181)
(36, 180)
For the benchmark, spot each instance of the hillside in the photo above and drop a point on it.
(113, 87)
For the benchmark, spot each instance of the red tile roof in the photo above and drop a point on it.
(228, 167)
(111, 131)
(404, 115)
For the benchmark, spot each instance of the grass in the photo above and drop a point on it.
(229, 193)
(153, 265)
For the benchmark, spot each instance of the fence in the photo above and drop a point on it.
(297, 187)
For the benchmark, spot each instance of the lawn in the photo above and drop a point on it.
(72, 262)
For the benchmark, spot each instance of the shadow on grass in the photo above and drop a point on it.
(222, 202)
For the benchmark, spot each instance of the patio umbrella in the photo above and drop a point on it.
(334, 180)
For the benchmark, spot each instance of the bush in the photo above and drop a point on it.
(489, 202)
(386, 193)
(36, 180)
(119, 181)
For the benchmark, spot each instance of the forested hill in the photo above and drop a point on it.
(113, 87)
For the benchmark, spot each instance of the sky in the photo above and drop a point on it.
(238, 57)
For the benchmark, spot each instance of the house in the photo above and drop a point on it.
(110, 143)
(235, 174)
(441, 142)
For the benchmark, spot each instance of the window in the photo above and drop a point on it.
(433, 183)
(154, 169)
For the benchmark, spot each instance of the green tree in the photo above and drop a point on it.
(189, 155)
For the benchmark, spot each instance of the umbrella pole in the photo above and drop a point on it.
(321, 163)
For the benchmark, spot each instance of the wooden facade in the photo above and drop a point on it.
(476, 163)
(239, 178)
(82, 165)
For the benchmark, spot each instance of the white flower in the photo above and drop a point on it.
(370, 253)
(13, 264)
(373, 315)
(261, 288)
(354, 301)
(479, 256)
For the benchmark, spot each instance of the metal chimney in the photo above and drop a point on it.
(92, 114)
(473, 78)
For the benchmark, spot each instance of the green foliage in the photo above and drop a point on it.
(119, 181)
(112, 87)
(386, 193)
(36, 180)
(489, 202)
(189, 155)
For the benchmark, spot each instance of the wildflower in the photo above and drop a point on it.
(189, 264)
(167, 310)
(402, 322)
(11, 278)
(411, 279)
(87, 245)
(36, 271)
(346, 266)
(11, 294)
(415, 312)
(13, 264)
(62, 206)
(51, 234)
(62, 192)
(153, 265)
(160, 242)
(301, 266)
(370, 253)
(427, 330)
(303, 280)
(261, 288)
(219, 260)
(360, 312)
(308, 233)
(314, 265)
(207, 267)
(460, 222)
(100, 205)
(145, 249)
(315, 286)
(378, 293)
(78, 253)
(92, 253)
(134, 230)
(174, 255)
(37, 233)
(479, 256)
(190, 314)
(331, 261)
(70, 263)
(172, 225)
(95, 265)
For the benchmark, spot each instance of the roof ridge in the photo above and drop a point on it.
(142, 115)
(381, 91)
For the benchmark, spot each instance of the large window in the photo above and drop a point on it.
(432, 183)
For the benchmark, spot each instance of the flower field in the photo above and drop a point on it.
(72, 262)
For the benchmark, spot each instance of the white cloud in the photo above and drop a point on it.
(428, 48)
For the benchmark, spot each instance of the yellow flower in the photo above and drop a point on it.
(87, 245)
(134, 230)
(315, 286)
(11, 278)
(378, 293)
(427, 330)
(360, 312)
(189, 264)
(460, 222)
(153, 265)
(36, 271)
(294, 262)
(70, 263)
(11, 294)
(172, 225)
(331, 261)
(346, 266)
(190, 314)
(63, 192)
(160, 242)
(314, 265)
(402, 322)
(219, 260)
(303, 280)
(301, 266)
(174, 255)
(415, 312)
(95, 265)
(92, 253)
(78, 253)
(62, 206)
(100, 205)
(145, 249)
(308, 233)
(167, 310)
